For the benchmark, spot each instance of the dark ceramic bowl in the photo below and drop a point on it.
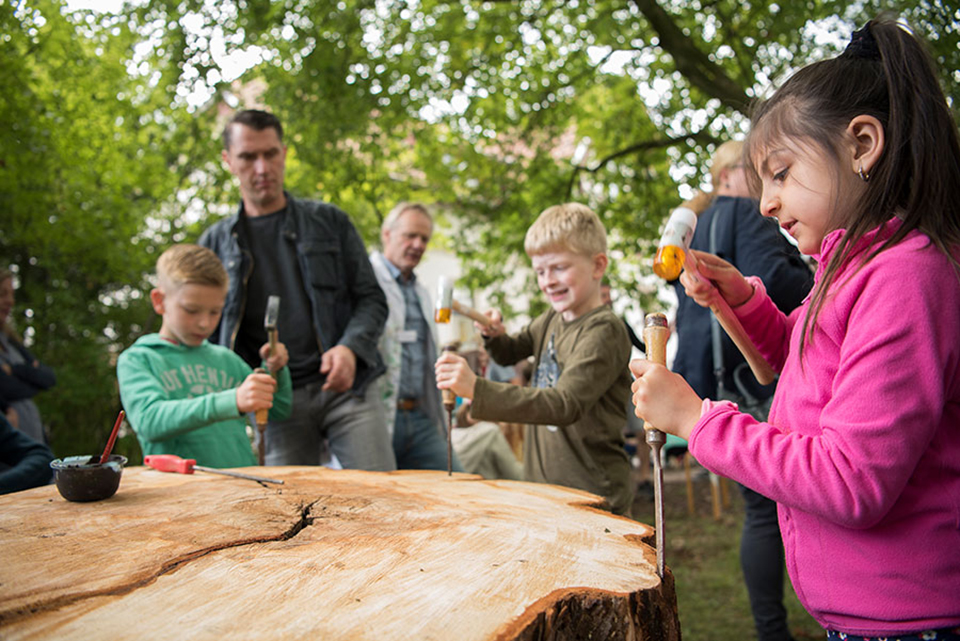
(80, 480)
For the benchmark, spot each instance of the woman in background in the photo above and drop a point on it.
(21, 375)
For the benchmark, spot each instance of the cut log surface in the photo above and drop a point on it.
(329, 555)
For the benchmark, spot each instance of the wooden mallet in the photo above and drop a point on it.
(673, 253)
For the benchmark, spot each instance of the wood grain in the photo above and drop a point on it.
(330, 555)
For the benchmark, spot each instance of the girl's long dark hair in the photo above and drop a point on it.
(887, 73)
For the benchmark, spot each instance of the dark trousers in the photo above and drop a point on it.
(761, 557)
(418, 443)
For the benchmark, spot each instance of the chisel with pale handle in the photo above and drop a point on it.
(270, 318)
(655, 335)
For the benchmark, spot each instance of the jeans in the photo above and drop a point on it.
(761, 558)
(418, 443)
(353, 427)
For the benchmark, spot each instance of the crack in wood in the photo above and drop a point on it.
(15, 614)
(382, 532)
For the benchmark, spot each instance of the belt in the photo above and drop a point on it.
(407, 404)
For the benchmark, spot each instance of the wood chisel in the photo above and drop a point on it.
(270, 318)
(173, 463)
(655, 335)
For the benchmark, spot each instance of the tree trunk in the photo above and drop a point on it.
(328, 555)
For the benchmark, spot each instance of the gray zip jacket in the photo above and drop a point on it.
(347, 304)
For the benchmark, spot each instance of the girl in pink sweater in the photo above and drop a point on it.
(858, 159)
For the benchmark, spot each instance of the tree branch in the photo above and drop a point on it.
(637, 147)
(693, 63)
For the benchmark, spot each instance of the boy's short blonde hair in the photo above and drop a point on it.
(191, 264)
(569, 227)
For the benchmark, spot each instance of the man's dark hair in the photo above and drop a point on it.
(255, 119)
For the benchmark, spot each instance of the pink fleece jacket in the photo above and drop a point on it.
(862, 451)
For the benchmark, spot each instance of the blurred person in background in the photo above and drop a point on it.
(22, 376)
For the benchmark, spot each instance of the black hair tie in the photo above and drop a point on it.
(862, 45)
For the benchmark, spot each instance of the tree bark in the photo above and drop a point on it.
(330, 554)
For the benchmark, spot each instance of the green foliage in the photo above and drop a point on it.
(93, 154)
(496, 110)
(492, 111)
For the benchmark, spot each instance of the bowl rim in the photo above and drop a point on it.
(59, 465)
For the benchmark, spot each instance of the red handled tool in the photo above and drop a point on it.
(113, 439)
(173, 463)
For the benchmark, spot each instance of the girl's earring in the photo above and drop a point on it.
(864, 176)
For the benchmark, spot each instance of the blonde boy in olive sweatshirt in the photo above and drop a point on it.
(577, 399)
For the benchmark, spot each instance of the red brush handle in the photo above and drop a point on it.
(170, 463)
(112, 439)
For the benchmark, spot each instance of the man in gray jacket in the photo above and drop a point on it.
(332, 309)
(409, 343)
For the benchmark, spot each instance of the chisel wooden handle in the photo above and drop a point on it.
(656, 332)
(448, 396)
(262, 416)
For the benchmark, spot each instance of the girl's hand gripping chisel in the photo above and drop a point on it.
(655, 335)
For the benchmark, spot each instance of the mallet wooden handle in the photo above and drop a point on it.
(471, 313)
(272, 337)
(731, 325)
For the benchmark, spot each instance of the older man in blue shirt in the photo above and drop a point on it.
(409, 343)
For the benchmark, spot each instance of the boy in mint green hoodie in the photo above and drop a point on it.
(186, 396)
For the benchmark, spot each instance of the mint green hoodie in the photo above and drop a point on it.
(183, 400)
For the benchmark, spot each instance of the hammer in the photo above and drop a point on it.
(673, 253)
(446, 304)
(270, 325)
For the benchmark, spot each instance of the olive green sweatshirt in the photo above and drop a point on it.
(576, 402)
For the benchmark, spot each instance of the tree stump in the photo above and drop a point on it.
(329, 555)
